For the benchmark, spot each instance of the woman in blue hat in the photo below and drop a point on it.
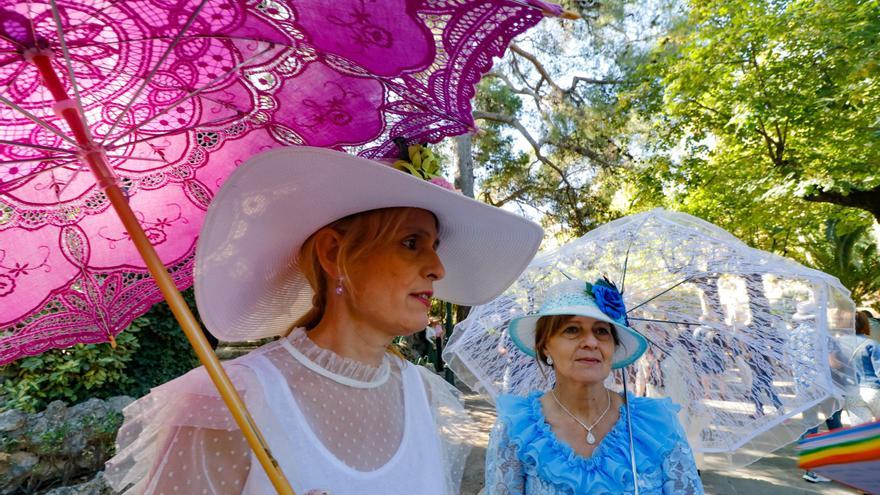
(580, 437)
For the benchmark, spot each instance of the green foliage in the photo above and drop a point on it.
(72, 375)
(768, 102)
(164, 352)
(762, 117)
(151, 351)
(553, 144)
(493, 147)
(851, 256)
(50, 442)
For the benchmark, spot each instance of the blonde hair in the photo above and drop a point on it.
(361, 234)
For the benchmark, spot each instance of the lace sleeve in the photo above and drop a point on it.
(453, 425)
(205, 461)
(875, 359)
(181, 438)
(504, 472)
(680, 471)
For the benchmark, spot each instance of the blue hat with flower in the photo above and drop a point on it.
(600, 300)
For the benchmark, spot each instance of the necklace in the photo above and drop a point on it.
(590, 438)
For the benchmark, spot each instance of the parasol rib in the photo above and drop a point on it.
(188, 96)
(36, 120)
(62, 40)
(159, 63)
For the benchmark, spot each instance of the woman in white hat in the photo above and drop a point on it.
(576, 438)
(337, 256)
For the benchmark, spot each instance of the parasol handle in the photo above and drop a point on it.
(94, 157)
(629, 427)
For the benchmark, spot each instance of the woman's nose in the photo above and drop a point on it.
(434, 269)
(589, 340)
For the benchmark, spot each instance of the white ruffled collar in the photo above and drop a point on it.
(333, 366)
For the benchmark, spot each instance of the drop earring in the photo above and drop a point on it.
(549, 361)
(339, 287)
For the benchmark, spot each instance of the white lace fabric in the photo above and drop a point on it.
(745, 341)
(182, 439)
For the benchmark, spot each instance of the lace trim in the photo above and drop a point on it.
(543, 455)
(333, 366)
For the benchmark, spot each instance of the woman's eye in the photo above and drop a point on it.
(410, 243)
(602, 331)
(571, 330)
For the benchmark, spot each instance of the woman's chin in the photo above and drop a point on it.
(589, 378)
(415, 326)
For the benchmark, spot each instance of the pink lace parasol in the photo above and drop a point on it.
(174, 95)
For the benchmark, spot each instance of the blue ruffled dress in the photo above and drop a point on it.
(525, 457)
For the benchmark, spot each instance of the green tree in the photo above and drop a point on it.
(770, 101)
(552, 141)
(851, 256)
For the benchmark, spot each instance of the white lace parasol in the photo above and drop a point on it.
(742, 339)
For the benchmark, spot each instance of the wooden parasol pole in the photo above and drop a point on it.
(94, 157)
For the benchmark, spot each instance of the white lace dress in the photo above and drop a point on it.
(334, 425)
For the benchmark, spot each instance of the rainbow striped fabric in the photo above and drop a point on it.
(848, 455)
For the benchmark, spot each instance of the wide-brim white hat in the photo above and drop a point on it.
(570, 298)
(247, 284)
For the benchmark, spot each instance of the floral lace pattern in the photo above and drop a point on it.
(750, 375)
(349, 74)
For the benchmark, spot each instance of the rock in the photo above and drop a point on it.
(59, 443)
(96, 486)
(55, 410)
(119, 402)
(21, 463)
(12, 420)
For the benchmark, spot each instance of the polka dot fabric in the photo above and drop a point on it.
(181, 438)
(362, 427)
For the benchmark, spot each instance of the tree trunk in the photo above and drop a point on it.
(465, 175)
(461, 312)
(868, 200)
(464, 181)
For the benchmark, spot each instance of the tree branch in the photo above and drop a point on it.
(510, 197)
(582, 150)
(537, 64)
(868, 200)
(772, 146)
(589, 80)
(706, 107)
(545, 75)
(513, 88)
(516, 124)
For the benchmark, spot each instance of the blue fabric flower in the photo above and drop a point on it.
(609, 300)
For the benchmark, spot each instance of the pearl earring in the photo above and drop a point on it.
(550, 360)
(339, 287)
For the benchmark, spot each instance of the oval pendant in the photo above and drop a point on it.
(590, 438)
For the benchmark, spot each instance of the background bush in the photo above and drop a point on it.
(151, 351)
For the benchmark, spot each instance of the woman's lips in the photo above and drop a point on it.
(423, 297)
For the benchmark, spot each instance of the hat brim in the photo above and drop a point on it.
(632, 343)
(247, 285)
